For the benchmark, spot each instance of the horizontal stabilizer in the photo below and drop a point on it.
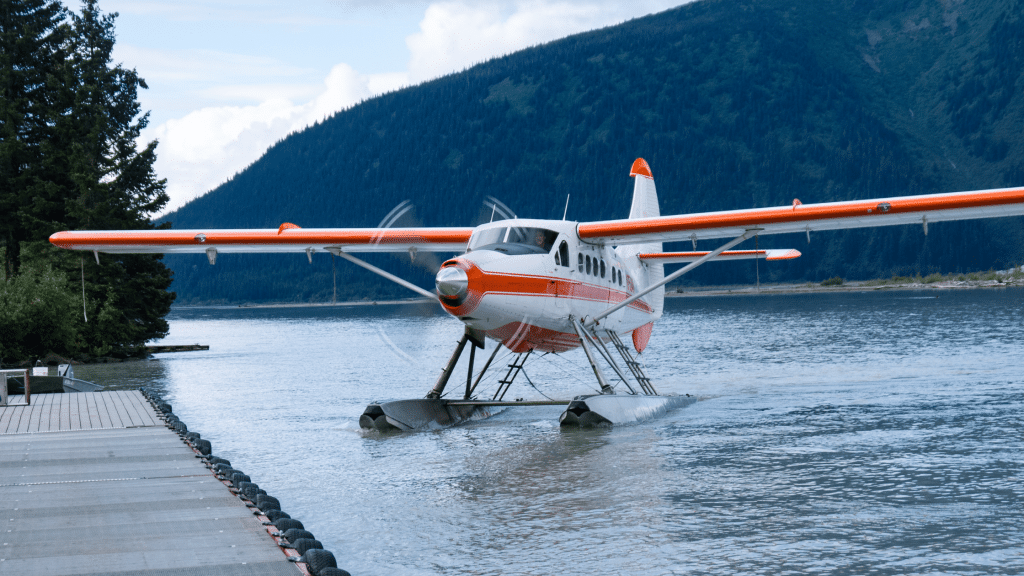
(684, 257)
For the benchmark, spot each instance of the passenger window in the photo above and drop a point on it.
(602, 268)
(588, 264)
(580, 262)
(564, 251)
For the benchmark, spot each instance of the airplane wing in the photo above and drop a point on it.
(287, 238)
(684, 257)
(809, 217)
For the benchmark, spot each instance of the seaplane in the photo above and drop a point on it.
(550, 286)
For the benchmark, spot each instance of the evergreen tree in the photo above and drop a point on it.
(32, 39)
(74, 165)
(112, 186)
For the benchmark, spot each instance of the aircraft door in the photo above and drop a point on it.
(562, 273)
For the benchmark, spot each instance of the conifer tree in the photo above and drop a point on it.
(70, 161)
(32, 39)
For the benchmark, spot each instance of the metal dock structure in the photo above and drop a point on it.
(95, 483)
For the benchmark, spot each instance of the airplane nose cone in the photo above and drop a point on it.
(451, 282)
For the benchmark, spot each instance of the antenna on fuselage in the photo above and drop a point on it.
(493, 208)
(566, 211)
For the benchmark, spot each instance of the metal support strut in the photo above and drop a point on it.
(446, 374)
(581, 332)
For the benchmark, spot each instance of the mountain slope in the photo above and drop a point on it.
(733, 104)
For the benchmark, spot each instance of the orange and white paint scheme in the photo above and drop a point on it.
(523, 282)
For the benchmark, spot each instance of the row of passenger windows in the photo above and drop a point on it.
(596, 267)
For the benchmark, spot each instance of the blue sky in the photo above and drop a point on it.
(229, 78)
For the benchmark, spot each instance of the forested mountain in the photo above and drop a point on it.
(734, 104)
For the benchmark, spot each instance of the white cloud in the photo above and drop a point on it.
(207, 146)
(456, 35)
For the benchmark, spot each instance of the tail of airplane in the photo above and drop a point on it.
(645, 205)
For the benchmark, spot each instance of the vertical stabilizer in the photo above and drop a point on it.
(645, 205)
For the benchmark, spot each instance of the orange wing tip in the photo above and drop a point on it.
(287, 226)
(640, 168)
(796, 202)
(787, 255)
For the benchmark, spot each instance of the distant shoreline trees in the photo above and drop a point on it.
(69, 123)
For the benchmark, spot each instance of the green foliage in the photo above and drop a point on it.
(70, 119)
(833, 281)
(37, 313)
(734, 104)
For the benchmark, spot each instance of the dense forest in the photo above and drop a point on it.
(69, 128)
(734, 104)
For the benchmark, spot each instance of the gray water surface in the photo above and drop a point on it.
(870, 433)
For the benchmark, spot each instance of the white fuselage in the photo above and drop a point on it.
(521, 280)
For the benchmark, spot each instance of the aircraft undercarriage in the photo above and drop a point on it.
(640, 403)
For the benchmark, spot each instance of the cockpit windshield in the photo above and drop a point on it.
(514, 240)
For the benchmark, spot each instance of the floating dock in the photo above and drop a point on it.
(95, 483)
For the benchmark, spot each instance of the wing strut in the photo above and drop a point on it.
(375, 270)
(674, 275)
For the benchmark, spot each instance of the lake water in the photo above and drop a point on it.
(850, 433)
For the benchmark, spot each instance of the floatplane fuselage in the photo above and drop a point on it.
(556, 285)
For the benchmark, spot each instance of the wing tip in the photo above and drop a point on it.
(640, 168)
(287, 226)
(786, 255)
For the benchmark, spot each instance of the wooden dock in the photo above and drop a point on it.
(94, 483)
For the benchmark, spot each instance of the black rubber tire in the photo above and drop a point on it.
(164, 407)
(224, 469)
(248, 490)
(204, 447)
(237, 478)
(295, 534)
(333, 572)
(286, 524)
(267, 503)
(251, 493)
(303, 544)
(180, 428)
(275, 515)
(217, 460)
(171, 419)
(193, 437)
(317, 560)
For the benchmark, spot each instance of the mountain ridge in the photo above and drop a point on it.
(733, 104)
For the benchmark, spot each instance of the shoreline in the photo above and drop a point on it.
(308, 304)
(1003, 279)
(854, 286)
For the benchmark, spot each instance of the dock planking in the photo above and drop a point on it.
(94, 483)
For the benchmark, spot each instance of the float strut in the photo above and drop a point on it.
(581, 332)
(480, 376)
(442, 381)
(469, 372)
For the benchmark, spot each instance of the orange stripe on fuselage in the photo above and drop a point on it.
(501, 283)
(519, 337)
